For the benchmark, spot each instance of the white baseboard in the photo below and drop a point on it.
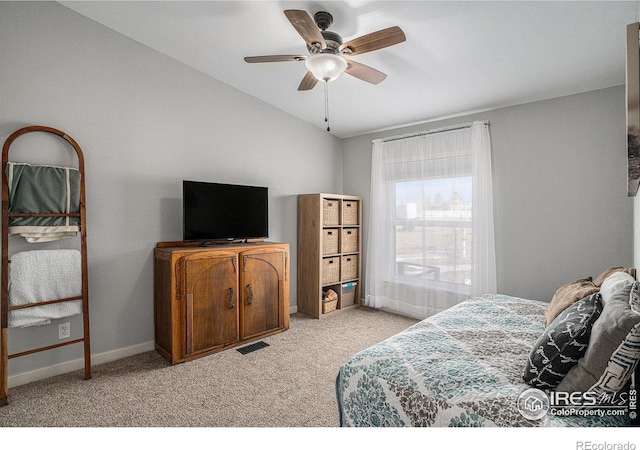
(77, 364)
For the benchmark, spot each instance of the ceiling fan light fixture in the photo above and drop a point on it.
(326, 66)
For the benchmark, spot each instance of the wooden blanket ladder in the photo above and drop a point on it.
(5, 308)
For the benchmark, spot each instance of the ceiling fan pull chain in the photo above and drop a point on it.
(326, 104)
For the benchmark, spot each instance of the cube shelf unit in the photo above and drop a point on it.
(329, 252)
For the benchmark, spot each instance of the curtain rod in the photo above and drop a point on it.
(434, 131)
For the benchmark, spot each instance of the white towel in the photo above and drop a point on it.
(41, 275)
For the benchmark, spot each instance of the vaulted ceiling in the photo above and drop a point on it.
(458, 57)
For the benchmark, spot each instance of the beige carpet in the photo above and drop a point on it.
(290, 383)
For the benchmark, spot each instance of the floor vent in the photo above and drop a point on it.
(252, 347)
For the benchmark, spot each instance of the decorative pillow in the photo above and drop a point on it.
(567, 295)
(608, 332)
(603, 276)
(617, 288)
(562, 343)
(624, 359)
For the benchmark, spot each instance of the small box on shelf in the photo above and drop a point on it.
(350, 212)
(348, 296)
(349, 267)
(349, 240)
(330, 299)
(331, 212)
(328, 307)
(330, 241)
(330, 270)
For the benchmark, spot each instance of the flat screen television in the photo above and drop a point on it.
(224, 212)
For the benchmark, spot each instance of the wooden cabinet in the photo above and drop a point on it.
(207, 299)
(329, 251)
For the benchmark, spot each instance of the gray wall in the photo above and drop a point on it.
(145, 122)
(561, 210)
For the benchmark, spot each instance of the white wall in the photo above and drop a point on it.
(145, 122)
(559, 166)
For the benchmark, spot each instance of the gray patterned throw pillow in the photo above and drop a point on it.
(625, 358)
(613, 326)
(562, 344)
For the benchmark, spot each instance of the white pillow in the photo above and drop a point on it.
(614, 283)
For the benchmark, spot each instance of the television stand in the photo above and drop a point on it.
(213, 298)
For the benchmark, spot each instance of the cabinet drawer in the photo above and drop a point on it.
(331, 212)
(330, 241)
(349, 267)
(330, 270)
(349, 240)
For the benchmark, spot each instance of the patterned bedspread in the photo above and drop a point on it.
(461, 367)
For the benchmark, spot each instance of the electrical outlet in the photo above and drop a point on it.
(64, 330)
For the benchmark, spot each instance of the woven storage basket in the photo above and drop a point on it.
(349, 267)
(327, 307)
(330, 270)
(330, 241)
(349, 240)
(350, 213)
(331, 212)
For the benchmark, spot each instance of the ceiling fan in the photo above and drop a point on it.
(327, 59)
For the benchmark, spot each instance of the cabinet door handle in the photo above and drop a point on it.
(231, 304)
(250, 298)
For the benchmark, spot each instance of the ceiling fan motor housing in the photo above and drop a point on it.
(323, 19)
(333, 40)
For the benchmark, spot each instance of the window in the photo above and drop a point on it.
(433, 233)
(430, 241)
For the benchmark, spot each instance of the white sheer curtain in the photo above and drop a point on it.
(431, 241)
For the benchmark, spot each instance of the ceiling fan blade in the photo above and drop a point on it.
(374, 41)
(306, 27)
(274, 58)
(308, 82)
(365, 73)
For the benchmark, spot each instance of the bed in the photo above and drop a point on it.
(461, 367)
